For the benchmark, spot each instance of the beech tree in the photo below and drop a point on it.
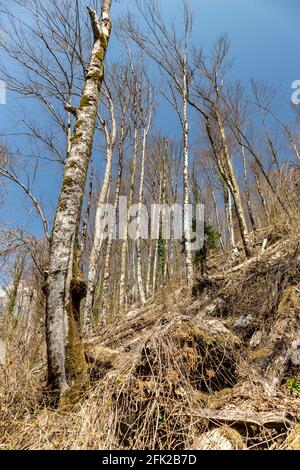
(65, 286)
(171, 54)
(206, 96)
(110, 137)
(146, 109)
(93, 297)
(123, 99)
(134, 89)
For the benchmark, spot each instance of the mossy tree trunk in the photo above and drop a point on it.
(232, 183)
(13, 292)
(248, 192)
(98, 238)
(65, 286)
(107, 263)
(124, 249)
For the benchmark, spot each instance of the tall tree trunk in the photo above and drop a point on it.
(164, 201)
(107, 264)
(65, 286)
(125, 235)
(69, 132)
(270, 141)
(245, 143)
(141, 200)
(12, 297)
(234, 187)
(262, 197)
(98, 235)
(138, 243)
(217, 218)
(186, 184)
(248, 194)
(155, 259)
(229, 217)
(84, 231)
(149, 268)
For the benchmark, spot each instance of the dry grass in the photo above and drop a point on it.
(152, 371)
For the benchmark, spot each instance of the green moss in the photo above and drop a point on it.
(72, 395)
(234, 437)
(72, 164)
(10, 318)
(68, 181)
(104, 41)
(260, 354)
(78, 123)
(219, 398)
(97, 303)
(100, 55)
(294, 438)
(45, 287)
(76, 137)
(63, 205)
(76, 364)
(293, 385)
(290, 300)
(97, 74)
(85, 101)
(224, 391)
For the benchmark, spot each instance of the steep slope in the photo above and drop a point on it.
(218, 368)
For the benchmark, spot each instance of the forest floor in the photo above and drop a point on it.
(217, 368)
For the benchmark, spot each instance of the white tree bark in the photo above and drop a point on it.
(107, 265)
(164, 200)
(84, 231)
(124, 250)
(234, 187)
(141, 199)
(186, 184)
(141, 289)
(218, 219)
(98, 235)
(155, 260)
(149, 268)
(229, 217)
(247, 191)
(262, 197)
(65, 287)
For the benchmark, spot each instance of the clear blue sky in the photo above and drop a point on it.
(265, 40)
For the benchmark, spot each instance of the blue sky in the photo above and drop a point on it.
(265, 41)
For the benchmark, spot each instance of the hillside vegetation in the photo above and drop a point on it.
(218, 368)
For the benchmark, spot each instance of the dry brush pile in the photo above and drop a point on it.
(219, 369)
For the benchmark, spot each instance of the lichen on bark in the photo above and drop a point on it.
(66, 286)
(75, 360)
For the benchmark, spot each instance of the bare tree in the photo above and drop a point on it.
(207, 97)
(7, 171)
(65, 285)
(51, 49)
(134, 88)
(171, 54)
(247, 192)
(123, 99)
(110, 136)
(146, 110)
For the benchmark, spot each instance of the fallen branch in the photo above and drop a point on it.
(265, 419)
